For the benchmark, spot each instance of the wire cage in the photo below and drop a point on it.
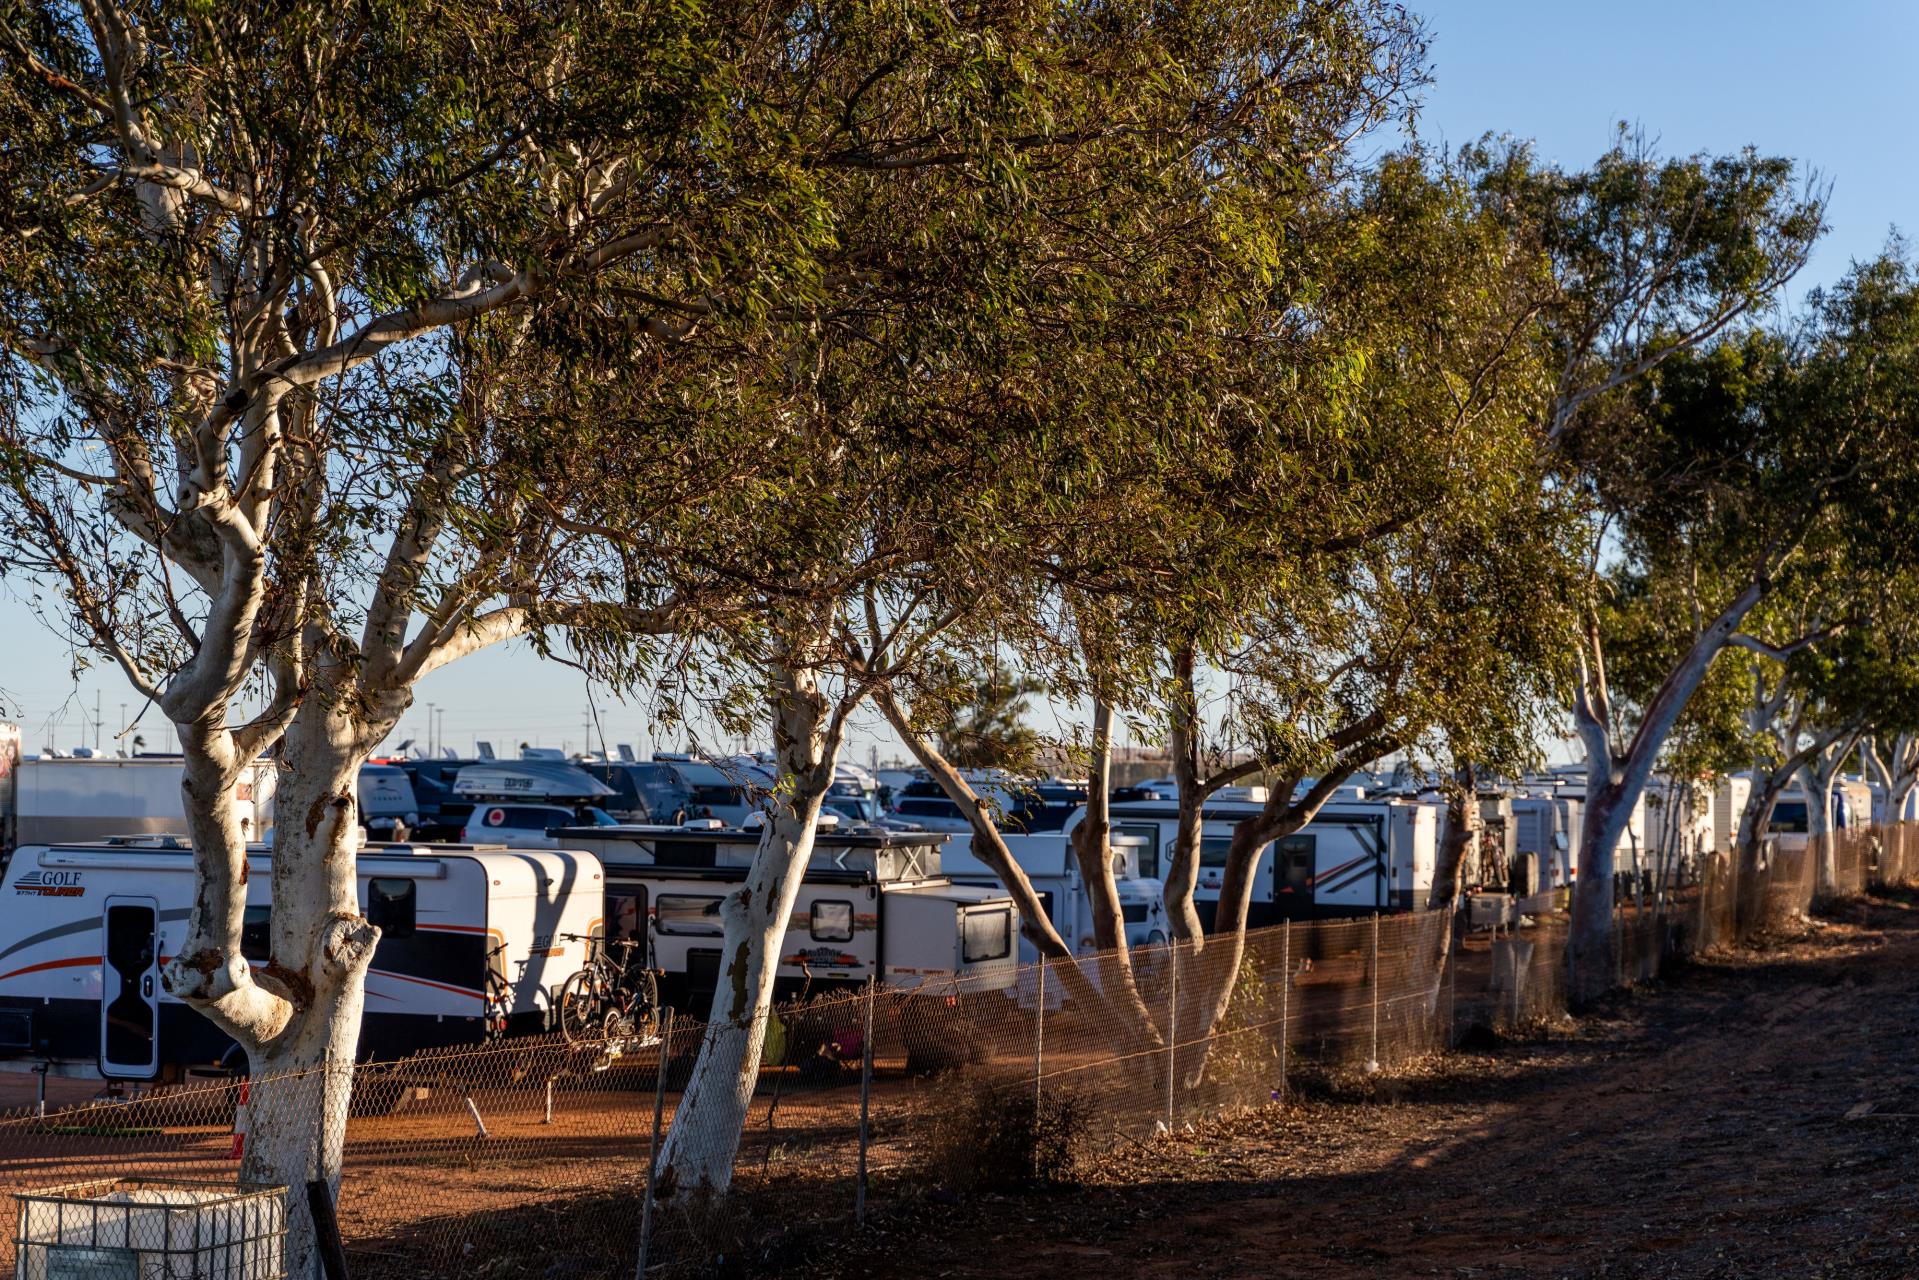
(151, 1229)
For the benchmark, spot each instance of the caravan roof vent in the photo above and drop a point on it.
(704, 824)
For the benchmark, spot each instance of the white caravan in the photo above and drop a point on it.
(1730, 795)
(474, 944)
(1679, 827)
(874, 904)
(1350, 860)
(1547, 829)
(1049, 863)
(1792, 822)
(69, 800)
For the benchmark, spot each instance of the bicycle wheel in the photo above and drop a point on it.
(579, 1008)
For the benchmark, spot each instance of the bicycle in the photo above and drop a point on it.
(497, 1003)
(607, 1000)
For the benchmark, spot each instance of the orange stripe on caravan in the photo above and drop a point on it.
(71, 962)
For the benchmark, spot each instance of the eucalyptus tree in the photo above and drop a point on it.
(1825, 701)
(280, 298)
(999, 178)
(1735, 470)
(1892, 757)
(1648, 259)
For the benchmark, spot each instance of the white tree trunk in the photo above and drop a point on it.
(297, 1016)
(322, 949)
(1615, 782)
(1816, 777)
(699, 1151)
(1607, 815)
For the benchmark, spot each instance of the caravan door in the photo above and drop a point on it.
(130, 989)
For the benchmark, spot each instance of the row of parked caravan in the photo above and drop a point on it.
(476, 942)
(479, 936)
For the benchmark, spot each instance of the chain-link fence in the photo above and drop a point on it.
(531, 1157)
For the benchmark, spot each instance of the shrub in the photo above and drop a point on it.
(989, 1132)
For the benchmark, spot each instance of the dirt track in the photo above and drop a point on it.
(1699, 1128)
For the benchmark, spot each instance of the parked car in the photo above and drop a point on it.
(526, 826)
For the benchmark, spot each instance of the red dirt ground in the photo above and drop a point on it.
(1754, 1115)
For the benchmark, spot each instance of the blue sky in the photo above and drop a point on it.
(1829, 85)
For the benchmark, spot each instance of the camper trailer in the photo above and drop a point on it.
(1498, 843)
(874, 904)
(1546, 834)
(1730, 795)
(1350, 860)
(1679, 828)
(1792, 820)
(1050, 864)
(474, 944)
(67, 800)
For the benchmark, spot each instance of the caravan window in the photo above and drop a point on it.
(1212, 850)
(684, 916)
(625, 916)
(256, 934)
(390, 906)
(986, 935)
(1135, 912)
(916, 808)
(832, 922)
(1790, 816)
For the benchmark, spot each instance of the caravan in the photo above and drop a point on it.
(1546, 828)
(874, 904)
(1352, 859)
(1050, 864)
(67, 799)
(474, 944)
(1851, 806)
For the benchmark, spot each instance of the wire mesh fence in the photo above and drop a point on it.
(531, 1157)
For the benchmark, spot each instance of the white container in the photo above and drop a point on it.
(140, 1229)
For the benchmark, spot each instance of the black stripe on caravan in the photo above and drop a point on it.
(1354, 878)
(81, 926)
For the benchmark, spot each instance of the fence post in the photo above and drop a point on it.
(1172, 1034)
(653, 1151)
(1285, 991)
(1372, 1063)
(866, 1101)
(1039, 1035)
(1516, 979)
(1452, 979)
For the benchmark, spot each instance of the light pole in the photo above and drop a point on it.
(429, 731)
